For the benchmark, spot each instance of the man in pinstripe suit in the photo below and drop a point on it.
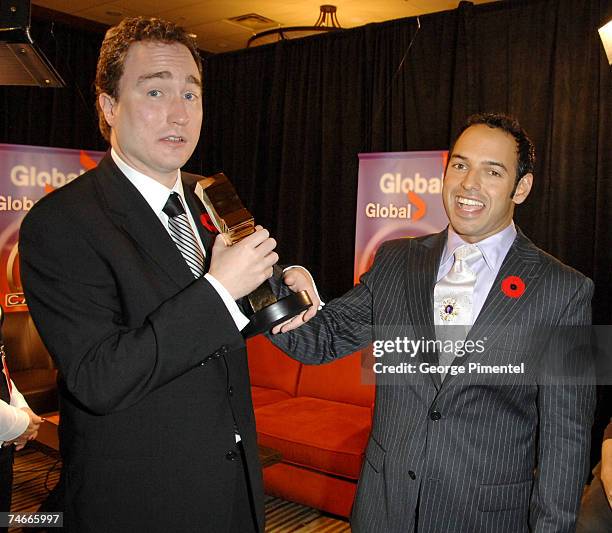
(463, 452)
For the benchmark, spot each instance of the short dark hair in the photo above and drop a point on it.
(118, 40)
(524, 146)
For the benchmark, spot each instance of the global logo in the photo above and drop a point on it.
(412, 187)
(11, 285)
(32, 174)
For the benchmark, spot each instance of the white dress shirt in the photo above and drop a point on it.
(494, 249)
(13, 420)
(156, 196)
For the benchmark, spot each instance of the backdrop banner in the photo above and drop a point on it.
(27, 173)
(398, 195)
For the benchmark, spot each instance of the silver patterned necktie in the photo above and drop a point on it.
(453, 301)
(182, 234)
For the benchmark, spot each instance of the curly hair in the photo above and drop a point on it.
(524, 146)
(116, 44)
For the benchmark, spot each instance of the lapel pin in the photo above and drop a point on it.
(207, 223)
(513, 287)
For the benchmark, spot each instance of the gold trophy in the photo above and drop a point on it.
(231, 218)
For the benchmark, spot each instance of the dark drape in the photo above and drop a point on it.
(64, 117)
(286, 123)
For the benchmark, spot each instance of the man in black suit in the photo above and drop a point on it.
(157, 428)
(453, 449)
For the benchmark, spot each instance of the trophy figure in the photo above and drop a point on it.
(230, 217)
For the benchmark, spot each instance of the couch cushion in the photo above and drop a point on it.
(341, 381)
(331, 494)
(264, 396)
(271, 368)
(320, 434)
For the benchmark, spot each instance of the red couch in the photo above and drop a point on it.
(319, 417)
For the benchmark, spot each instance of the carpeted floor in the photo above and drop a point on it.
(37, 471)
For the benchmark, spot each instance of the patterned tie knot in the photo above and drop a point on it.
(467, 253)
(174, 206)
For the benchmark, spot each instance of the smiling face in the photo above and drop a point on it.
(479, 181)
(156, 119)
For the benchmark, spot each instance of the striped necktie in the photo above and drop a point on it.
(183, 236)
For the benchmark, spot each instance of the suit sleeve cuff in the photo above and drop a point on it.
(239, 319)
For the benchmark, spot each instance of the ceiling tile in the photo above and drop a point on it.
(69, 6)
(217, 30)
(107, 14)
(151, 8)
(214, 10)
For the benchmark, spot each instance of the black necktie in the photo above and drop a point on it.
(182, 234)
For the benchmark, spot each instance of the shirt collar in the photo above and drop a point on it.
(152, 190)
(493, 248)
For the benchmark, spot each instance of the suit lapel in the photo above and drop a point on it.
(130, 212)
(420, 281)
(499, 309)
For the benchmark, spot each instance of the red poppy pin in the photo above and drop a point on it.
(207, 223)
(513, 287)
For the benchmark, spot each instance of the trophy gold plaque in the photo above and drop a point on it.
(231, 218)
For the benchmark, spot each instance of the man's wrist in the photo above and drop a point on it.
(239, 319)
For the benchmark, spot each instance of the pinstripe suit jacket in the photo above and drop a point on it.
(474, 453)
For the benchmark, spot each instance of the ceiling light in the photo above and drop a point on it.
(605, 32)
(21, 61)
(327, 21)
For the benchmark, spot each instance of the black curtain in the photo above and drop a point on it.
(286, 122)
(64, 117)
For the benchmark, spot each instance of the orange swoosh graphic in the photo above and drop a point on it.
(421, 206)
(86, 161)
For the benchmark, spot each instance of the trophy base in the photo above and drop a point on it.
(277, 313)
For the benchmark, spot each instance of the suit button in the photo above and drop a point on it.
(435, 415)
(231, 456)
(224, 350)
(411, 474)
(230, 390)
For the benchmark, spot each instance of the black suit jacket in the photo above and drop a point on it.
(153, 371)
(479, 453)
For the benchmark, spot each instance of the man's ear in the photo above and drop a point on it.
(107, 104)
(523, 188)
